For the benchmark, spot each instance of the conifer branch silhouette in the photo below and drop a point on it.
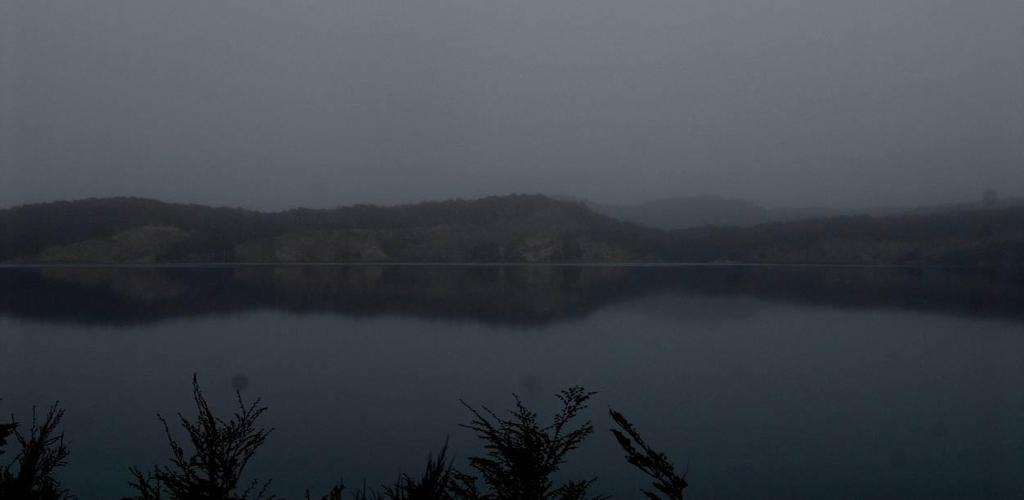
(521, 458)
(651, 462)
(31, 474)
(221, 450)
(522, 454)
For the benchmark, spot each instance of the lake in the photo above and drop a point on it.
(770, 382)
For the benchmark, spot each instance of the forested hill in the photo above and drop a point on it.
(517, 228)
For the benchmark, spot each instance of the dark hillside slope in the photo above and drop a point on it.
(29, 230)
(516, 228)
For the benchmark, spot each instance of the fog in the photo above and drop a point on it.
(273, 104)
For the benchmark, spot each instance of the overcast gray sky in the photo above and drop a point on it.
(277, 103)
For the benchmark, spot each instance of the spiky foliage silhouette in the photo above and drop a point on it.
(221, 450)
(335, 493)
(521, 458)
(668, 484)
(31, 474)
(522, 454)
(435, 483)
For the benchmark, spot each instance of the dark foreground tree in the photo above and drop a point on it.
(523, 455)
(31, 475)
(221, 450)
(668, 484)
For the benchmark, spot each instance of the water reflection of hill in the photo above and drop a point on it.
(514, 295)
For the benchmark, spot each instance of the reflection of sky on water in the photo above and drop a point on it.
(765, 398)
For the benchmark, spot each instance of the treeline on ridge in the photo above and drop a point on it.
(516, 228)
(511, 228)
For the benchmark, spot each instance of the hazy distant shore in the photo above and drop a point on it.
(515, 229)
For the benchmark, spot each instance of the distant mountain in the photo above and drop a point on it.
(980, 237)
(517, 228)
(793, 214)
(699, 211)
(687, 212)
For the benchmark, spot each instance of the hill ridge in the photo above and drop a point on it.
(510, 228)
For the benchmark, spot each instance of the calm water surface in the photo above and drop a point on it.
(770, 382)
